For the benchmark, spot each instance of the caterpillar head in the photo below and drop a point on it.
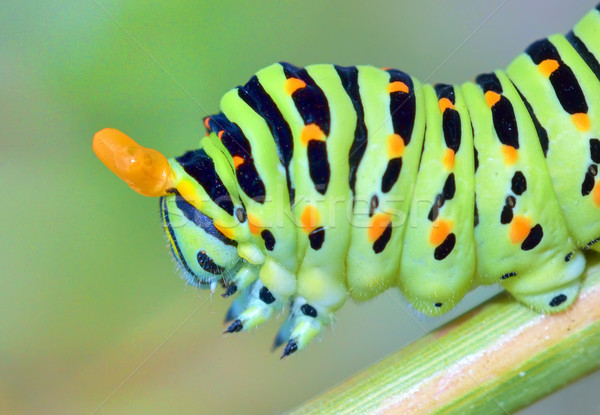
(204, 254)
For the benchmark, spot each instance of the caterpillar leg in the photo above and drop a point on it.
(238, 305)
(284, 332)
(319, 295)
(551, 288)
(552, 301)
(303, 325)
(254, 308)
(245, 276)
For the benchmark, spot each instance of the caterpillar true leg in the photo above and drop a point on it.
(259, 306)
(321, 183)
(305, 323)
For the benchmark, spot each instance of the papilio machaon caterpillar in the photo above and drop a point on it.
(321, 183)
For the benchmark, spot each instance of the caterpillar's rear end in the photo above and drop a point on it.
(318, 184)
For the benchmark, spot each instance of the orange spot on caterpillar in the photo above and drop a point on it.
(206, 123)
(397, 86)
(254, 225)
(548, 66)
(445, 103)
(492, 98)
(237, 161)
(519, 229)
(225, 230)
(448, 159)
(596, 194)
(386, 68)
(294, 84)
(311, 132)
(310, 218)
(440, 229)
(510, 154)
(220, 134)
(581, 121)
(378, 225)
(395, 146)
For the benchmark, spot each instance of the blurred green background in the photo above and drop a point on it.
(93, 316)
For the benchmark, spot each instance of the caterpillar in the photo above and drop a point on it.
(319, 184)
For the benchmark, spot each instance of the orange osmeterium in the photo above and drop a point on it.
(145, 170)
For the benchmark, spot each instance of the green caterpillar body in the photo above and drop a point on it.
(318, 184)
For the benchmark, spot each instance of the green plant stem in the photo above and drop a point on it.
(497, 358)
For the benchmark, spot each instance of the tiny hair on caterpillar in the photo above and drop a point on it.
(319, 184)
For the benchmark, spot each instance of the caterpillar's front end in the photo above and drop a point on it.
(205, 223)
(204, 255)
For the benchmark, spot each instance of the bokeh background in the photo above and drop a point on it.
(93, 318)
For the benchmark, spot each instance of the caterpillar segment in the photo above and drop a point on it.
(560, 79)
(438, 261)
(384, 160)
(322, 183)
(518, 210)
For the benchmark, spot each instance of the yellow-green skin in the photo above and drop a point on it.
(421, 277)
(544, 274)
